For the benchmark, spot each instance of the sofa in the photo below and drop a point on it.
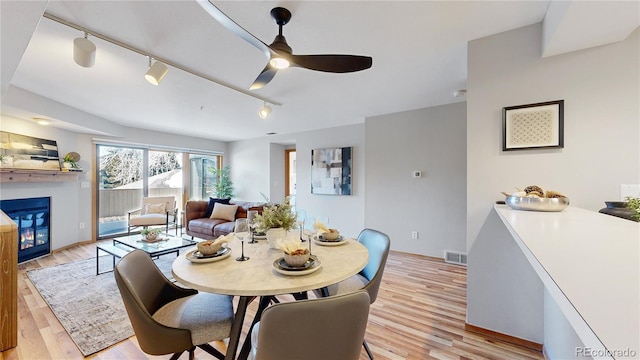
(198, 225)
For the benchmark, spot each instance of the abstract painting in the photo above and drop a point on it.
(26, 152)
(331, 171)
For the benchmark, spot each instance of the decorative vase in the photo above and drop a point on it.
(275, 237)
(151, 236)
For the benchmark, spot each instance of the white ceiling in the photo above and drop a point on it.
(418, 50)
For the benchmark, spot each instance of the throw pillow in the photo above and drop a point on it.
(154, 208)
(224, 212)
(212, 202)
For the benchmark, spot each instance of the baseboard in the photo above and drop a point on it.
(432, 258)
(504, 337)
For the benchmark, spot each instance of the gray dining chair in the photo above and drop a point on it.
(314, 329)
(370, 277)
(166, 318)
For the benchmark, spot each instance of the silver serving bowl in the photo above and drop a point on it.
(537, 204)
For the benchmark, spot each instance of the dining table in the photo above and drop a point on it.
(263, 276)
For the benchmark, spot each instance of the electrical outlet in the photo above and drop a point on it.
(414, 234)
(81, 226)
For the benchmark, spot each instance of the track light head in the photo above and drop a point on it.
(264, 111)
(84, 51)
(156, 72)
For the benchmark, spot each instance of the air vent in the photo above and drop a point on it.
(457, 258)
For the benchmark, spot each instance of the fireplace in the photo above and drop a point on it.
(33, 218)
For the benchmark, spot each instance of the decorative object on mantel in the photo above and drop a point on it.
(70, 162)
(533, 126)
(26, 152)
(331, 171)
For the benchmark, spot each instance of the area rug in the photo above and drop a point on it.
(89, 307)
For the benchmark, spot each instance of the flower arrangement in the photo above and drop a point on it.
(276, 216)
(633, 204)
(150, 233)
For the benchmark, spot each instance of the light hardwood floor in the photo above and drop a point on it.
(419, 314)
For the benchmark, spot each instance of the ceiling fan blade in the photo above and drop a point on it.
(232, 26)
(332, 63)
(265, 76)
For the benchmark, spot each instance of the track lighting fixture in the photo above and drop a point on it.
(156, 72)
(84, 51)
(84, 55)
(265, 110)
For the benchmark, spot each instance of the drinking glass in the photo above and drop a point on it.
(241, 231)
(251, 217)
(302, 218)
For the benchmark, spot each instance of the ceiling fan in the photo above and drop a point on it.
(280, 53)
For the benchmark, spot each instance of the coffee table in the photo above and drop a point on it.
(121, 246)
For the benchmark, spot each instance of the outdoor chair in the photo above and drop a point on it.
(316, 329)
(156, 211)
(370, 277)
(166, 318)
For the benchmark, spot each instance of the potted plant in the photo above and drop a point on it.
(275, 221)
(633, 204)
(224, 185)
(150, 234)
(68, 161)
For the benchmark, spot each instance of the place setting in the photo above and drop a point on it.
(210, 250)
(297, 259)
(326, 236)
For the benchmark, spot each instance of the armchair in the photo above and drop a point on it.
(159, 210)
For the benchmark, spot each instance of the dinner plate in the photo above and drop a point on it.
(282, 263)
(298, 271)
(321, 241)
(196, 257)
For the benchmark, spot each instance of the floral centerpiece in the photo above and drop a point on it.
(277, 216)
(150, 234)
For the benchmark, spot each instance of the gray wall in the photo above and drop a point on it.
(600, 88)
(432, 141)
(602, 150)
(386, 150)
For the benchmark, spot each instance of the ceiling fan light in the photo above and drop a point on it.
(279, 63)
(156, 73)
(264, 112)
(84, 52)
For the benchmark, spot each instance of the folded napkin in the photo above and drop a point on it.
(223, 239)
(291, 246)
(320, 227)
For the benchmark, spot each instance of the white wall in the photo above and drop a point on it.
(432, 141)
(600, 88)
(251, 159)
(71, 201)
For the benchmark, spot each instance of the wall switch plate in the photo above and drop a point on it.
(414, 234)
(417, 174)
(632, 190)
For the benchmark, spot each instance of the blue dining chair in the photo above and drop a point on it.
(370, 277)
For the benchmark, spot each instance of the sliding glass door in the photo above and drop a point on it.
(126, 175)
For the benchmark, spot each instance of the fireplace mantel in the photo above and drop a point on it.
(26, 175)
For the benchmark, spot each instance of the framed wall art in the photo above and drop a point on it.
(533, 126)
(331, 171)
(26, 152)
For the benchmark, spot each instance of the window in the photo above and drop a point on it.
(127, 174)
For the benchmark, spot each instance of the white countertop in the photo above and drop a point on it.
(593, 260)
